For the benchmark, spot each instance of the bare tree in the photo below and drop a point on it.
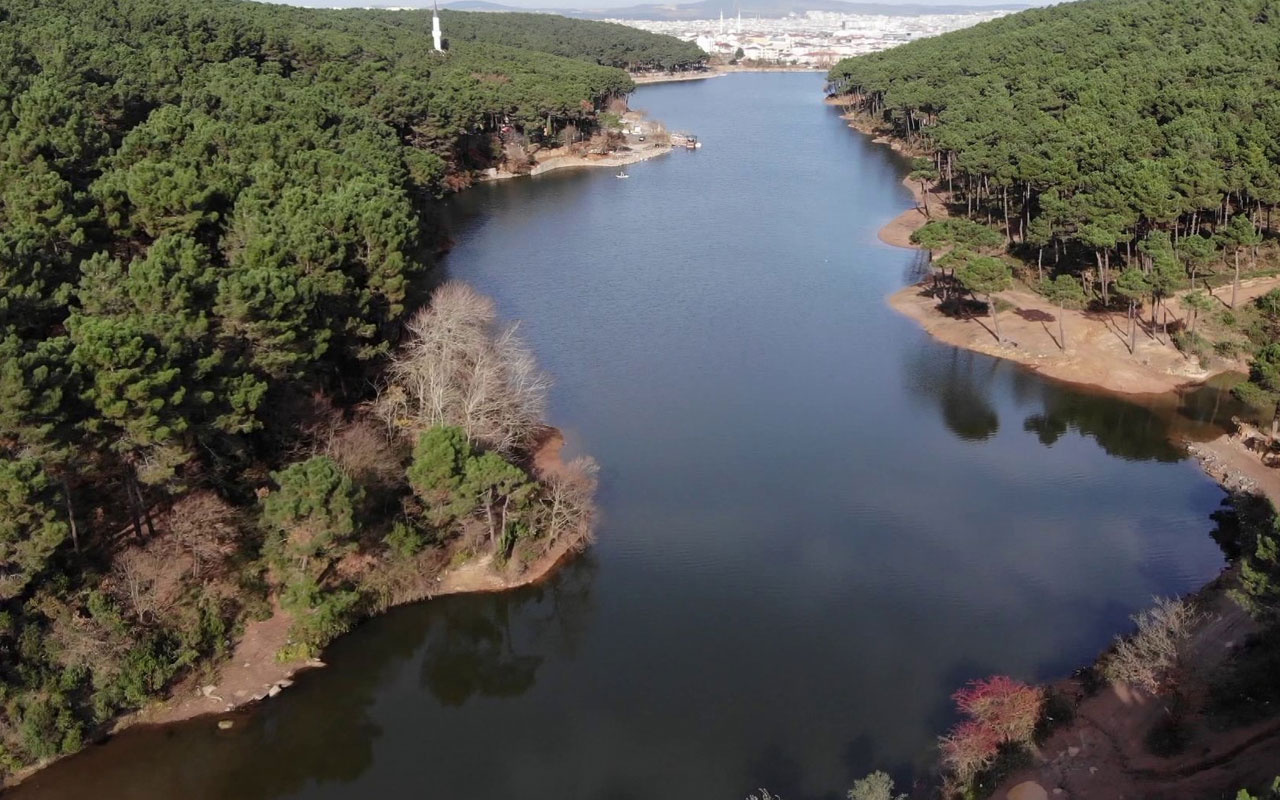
(568, 507)
(203, 527)
(1152, 658)
(78, 640)
(460, 367)
(136, 574)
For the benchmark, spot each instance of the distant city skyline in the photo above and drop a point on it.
(604, 4)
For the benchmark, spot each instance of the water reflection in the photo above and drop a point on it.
(472, 650)
(960, 385)
(957, 383)
(322, 732)
(815, 525)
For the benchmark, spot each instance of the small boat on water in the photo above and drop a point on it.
(622, 174)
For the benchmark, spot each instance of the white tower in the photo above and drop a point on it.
(722, 22)
(435, 28)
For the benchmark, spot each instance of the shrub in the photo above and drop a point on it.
(876, 786)
(1269, 303)
(1192, 344)
(1002, 712)
(405, 539)
(1152, 658)
(1008, 707)
(968, 748)
(1226, 348)
(327, 616)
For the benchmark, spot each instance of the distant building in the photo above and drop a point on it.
(437, 38)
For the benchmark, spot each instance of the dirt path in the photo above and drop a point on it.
(1102, 753)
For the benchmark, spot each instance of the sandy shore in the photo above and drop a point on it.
(675, 77)
(617, 159)
(898, 230)
(253, 673)
(1096, 350)
(1102, 754)
(712, 72)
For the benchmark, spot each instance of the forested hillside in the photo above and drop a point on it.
(214, 217)
(604, 43)
(1113, 155)
(1132, 143)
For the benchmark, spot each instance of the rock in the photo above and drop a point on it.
(226, 724)
(1028, 790)
(1073, 751)
(284, 683)
(208, 690)
(273, 691)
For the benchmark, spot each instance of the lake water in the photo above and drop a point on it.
(817, 522)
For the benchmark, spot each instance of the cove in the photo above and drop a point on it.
(817, 523)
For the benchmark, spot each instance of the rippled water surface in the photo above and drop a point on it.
(817, 522)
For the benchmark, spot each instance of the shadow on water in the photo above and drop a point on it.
(959, 386)
(817, 522)
(472, 648)
(322, 731)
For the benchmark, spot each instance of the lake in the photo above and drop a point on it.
(817, 523)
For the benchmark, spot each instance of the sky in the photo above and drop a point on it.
(601, 4)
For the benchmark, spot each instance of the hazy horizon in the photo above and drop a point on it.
(606, 4)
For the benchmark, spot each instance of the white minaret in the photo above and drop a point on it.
(722, 22)
(435, 28)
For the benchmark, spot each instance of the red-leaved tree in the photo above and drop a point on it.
(1009, 708)
(1000, 711)
(968, 748)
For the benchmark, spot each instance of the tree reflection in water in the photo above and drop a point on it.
(473, 648)
(322, 732)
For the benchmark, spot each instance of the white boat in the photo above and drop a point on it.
(622, 174)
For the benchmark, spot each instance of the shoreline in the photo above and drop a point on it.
(617, 159)
(469, 578)
(252, 674)
(1093, 754)
(718, 71)
(676, 77)
(1095, 354)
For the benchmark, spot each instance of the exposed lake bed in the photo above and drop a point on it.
(817, 522)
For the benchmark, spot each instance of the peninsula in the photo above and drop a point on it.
(236, 415)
